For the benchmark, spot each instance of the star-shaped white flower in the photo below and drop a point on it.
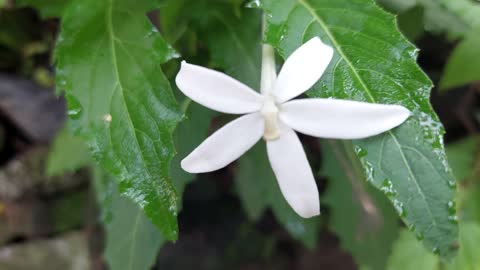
(276, 117)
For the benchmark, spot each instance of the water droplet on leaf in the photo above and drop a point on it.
(360, 151)
(387, 188)
(398, 205)
(74, 107)
(453, 219)
(254, 4)
(452, 209)
(452, 183)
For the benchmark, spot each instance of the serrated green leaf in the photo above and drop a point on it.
(47, 8)
(409, 254)
(67, 154)
(462, 66)
(374, 63)
(108, 58)
(132, 241)
(360, 215)
(258, 189)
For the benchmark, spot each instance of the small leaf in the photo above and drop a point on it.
(47, 8)
(463, 63)
(108, 58)
(132, 241)
(258, 189)
(375, 63)
(67, 154)
(409, 254)
(360, 215)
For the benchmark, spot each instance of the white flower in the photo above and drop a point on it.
(275, 116)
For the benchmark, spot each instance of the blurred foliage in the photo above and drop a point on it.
(361, 216)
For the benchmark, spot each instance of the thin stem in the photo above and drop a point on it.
(269, 72)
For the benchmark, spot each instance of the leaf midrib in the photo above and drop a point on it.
(112, 38)
(322, 24)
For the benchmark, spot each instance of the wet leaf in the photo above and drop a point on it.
(374, 63)
(108, 58)
(360, 215)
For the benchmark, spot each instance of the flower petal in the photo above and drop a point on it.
(302, 69)
(294, 175)
(341, 119)
(216, 90)
(225, 145)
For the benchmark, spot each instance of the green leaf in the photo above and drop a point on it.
(461, 156)
(360, 215)
(47, 8)
(132, 241)
(108, 58)
(374, 63)
(409, 254)
(463, 63)
(68, 153)
(258, 189)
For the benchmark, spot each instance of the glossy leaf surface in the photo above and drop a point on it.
(374, 63)
(108, 58)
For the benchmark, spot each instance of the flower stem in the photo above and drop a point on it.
(269, 72)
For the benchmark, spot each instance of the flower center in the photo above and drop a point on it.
(270, 114)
